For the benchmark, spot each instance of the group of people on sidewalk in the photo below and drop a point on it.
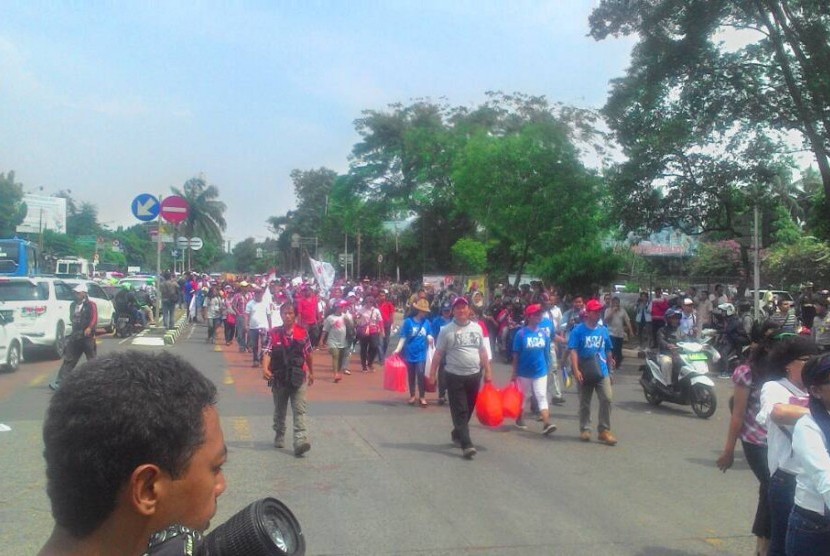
(780, 415)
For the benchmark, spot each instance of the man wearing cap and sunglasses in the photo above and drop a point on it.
(462, 341)
(81, 341)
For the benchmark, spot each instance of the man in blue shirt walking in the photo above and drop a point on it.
(592, 363)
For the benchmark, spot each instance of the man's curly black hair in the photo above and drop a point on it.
(112, 414)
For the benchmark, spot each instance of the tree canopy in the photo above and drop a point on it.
(12, 207)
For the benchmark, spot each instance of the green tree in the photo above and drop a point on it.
(717, 259)
(206, 215)
(82, 220)
(530, 191)
(12, 207)
(470, 256)
(244, 254)
(684, 80)
(790, 265)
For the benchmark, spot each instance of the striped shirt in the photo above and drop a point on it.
(751, 431)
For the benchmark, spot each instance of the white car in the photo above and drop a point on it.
(103, 302)
(40, 309)
(11, 342)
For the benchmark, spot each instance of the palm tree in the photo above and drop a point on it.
(205, 217)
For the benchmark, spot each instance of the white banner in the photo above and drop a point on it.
(323, 273)
(44, 213)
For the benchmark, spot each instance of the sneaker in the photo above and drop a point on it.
(346, 372)
(585, 436)
(725, 376)
(549, 428)
(557, 401)
(279, 442)
(607, 438)
(54, 386)
(520, 424)
(469, 453)
(301, 449)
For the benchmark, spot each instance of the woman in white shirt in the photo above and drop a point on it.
(783, 402)
(808, 532)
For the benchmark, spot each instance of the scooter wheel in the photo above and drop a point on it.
(704, 401)
(652, 397)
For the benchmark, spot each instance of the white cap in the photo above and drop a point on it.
(688, 301)
(80, 288)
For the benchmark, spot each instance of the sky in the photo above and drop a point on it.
(111, 99)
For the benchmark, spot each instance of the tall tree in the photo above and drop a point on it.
(12, 207)
(206, 215)
(82, 220)
(686, 90)
(530, 191)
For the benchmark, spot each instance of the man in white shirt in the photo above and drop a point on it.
(259, 322)
(688, 320)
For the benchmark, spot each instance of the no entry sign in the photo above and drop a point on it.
(174, 209)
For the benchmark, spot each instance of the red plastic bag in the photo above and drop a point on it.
(488, 406)
(429, 384)
(394, 374)
(512, 401)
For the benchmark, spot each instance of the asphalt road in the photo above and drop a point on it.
(383, 477)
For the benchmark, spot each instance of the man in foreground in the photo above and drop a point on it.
(462, 341)
(133, 445)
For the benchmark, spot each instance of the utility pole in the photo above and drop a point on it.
(397, 258)
(756, 265)
(358, 256)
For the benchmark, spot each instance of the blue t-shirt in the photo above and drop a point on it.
(590, 342)
(533, 348)
(415, 335)
(548, 327)
(438, 323)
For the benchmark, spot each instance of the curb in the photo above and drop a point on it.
(171, 335)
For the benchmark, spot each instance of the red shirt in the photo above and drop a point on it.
(307, 310)
(658, 308)
(387, 311)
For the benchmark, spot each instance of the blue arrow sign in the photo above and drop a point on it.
(145, 207)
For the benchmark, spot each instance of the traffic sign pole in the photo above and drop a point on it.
(158, 258)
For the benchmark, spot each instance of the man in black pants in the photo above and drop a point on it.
(462, 341)
(84, 315)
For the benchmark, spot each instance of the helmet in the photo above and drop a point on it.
(727, 309)
(127, 286)
(673, 313)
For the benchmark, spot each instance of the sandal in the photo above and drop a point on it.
(423, 402)
(411, 401)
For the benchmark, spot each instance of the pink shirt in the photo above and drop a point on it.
(751, 431)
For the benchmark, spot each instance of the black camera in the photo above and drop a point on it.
(263, 528)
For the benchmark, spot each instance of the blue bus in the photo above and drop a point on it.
(18, 257)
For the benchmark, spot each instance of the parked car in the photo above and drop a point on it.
(103, 302)
(11, 342)
(39, 307)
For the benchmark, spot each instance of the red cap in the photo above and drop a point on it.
(460, 301)
(593, 305)
(533, 309)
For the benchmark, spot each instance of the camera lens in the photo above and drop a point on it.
(264, 528)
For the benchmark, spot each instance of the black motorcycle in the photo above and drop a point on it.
(126, 324)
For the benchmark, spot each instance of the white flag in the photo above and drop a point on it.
(323, 273)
